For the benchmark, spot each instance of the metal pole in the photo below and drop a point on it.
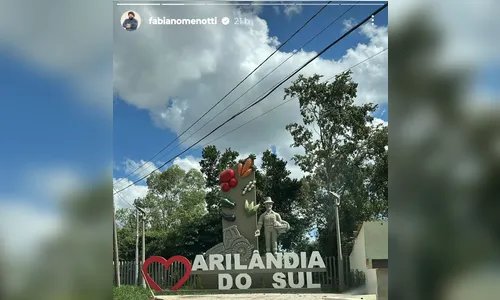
(136, 247)
(115, 250)
(143, 246)
(340, 260)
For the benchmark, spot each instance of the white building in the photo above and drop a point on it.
(371, 252)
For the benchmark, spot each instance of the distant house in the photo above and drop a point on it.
(371, 252)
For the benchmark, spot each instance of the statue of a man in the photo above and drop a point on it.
(273, 225)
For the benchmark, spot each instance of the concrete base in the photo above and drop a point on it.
(352, 297)
(266, 296)
(382, 284)
(377, 282)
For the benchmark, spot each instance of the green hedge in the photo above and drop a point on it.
(131, 293)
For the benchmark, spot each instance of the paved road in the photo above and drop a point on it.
(270, 296)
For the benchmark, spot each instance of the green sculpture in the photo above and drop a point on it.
(251, 208)
(226, 202)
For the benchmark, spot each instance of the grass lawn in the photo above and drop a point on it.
(131, 293)
(139, 293)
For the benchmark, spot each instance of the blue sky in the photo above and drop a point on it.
(46, 125)
(44, 121)
(148, 139)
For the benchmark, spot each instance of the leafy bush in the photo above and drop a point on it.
(131, 293)
(356, 279)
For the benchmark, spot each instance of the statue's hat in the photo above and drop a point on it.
(267, 200)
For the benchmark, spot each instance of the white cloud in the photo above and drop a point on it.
(125, 198)
(295, 171)
(377, 121)
(192, 65)
(59, 48)
(348, 24)
(172, 116)
(23, 227)
(291, 10)
(203, 74)
(187, 163)
(139, 169)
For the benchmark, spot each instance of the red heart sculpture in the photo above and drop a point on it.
(166, 263)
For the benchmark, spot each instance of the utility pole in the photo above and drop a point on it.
(340, 259)
(143, 252)
(143, 245)
(137, 247)
(116, 261)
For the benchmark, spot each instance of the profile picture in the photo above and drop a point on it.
(130, 20)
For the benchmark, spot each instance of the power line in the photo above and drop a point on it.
(248, 90)
(120, 195)
(234, 88)
(285, 102)
(140, 210)
(267, 94)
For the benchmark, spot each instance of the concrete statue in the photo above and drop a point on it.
(236, 259)
(273, 226)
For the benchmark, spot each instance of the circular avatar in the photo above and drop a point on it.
(130, 20)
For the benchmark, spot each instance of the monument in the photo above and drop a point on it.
(236, 260)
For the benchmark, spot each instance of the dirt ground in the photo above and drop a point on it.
(270, 296)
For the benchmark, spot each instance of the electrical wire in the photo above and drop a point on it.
(267, 94)
(248, 90)
(234, 88)
(285, 102)
(120, 195)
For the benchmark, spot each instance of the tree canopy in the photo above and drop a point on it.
(175, 197)
(344, 152)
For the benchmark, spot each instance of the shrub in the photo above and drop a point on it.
(131, 293)
(356, 279)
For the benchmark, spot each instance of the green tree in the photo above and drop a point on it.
(175, 197)
(343, 150)
(203, 230)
